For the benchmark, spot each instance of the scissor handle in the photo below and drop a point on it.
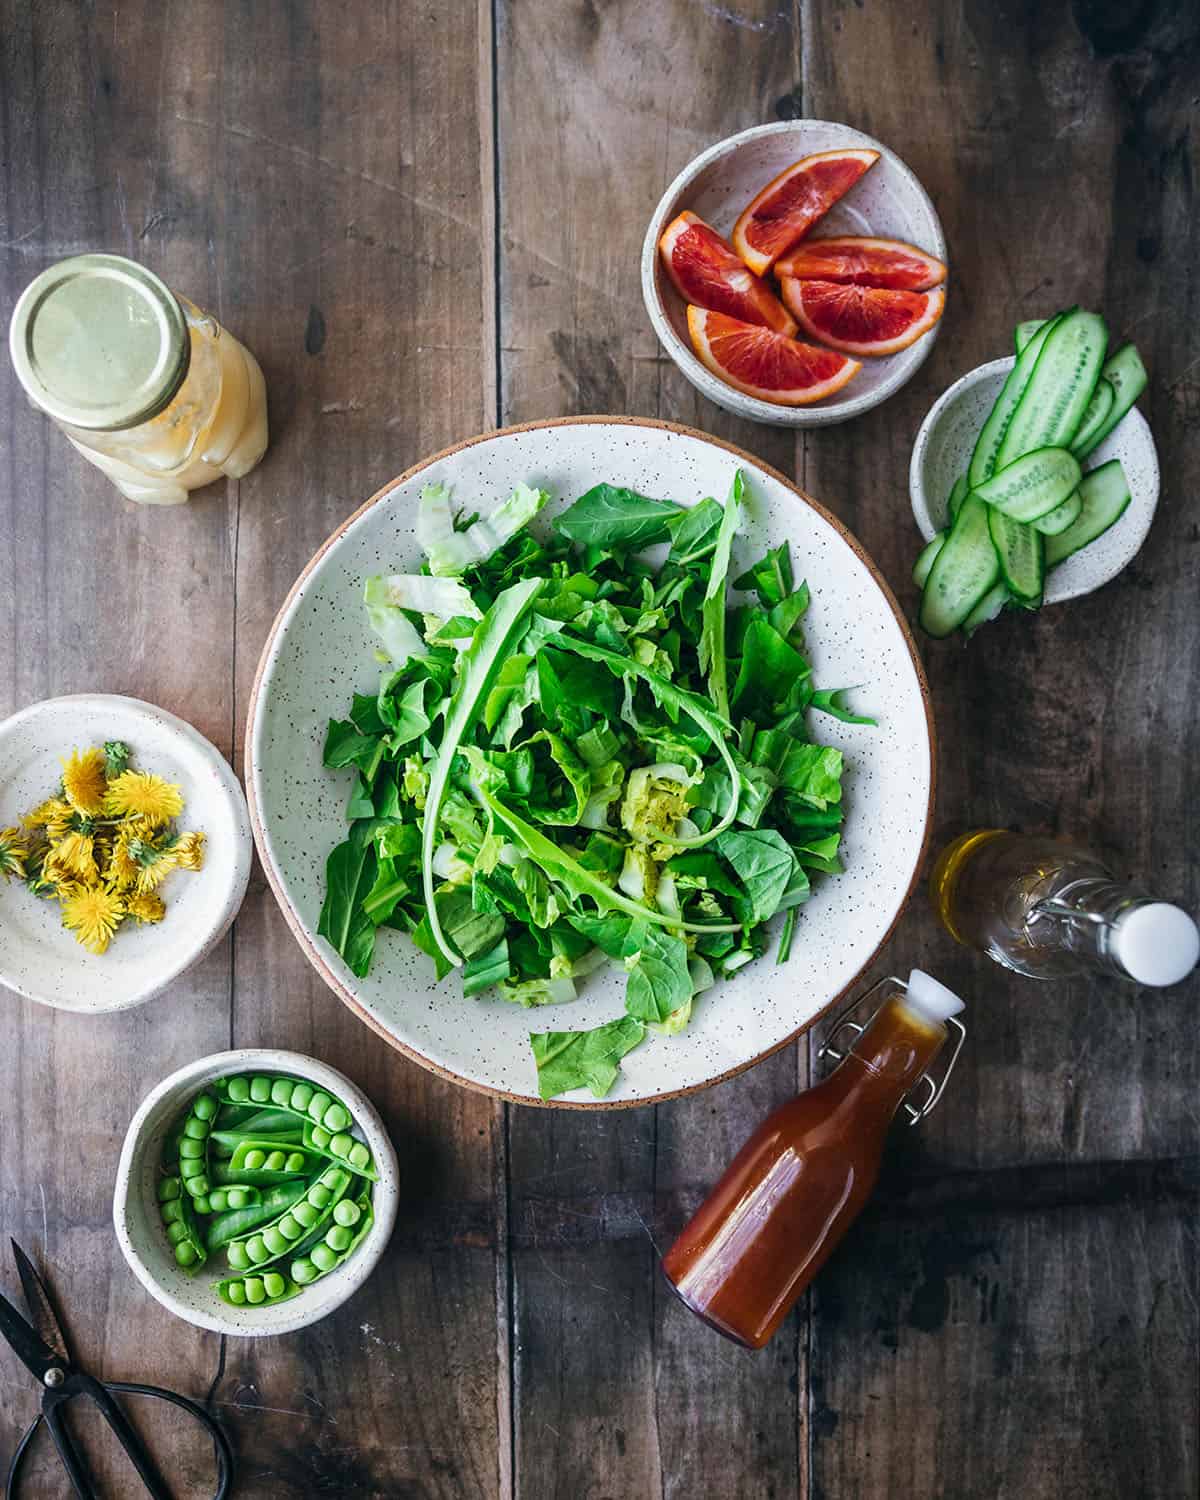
(102, 1395)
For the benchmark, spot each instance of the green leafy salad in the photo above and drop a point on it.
(579, 755)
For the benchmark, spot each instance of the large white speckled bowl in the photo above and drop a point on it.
(319, 652)
(39, 958)
(888, 203)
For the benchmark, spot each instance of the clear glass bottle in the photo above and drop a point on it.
(803, 1177)
(152, 391)
(1049, 909)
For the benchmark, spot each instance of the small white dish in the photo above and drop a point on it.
(888, 203)
(320, 651)
(138, 1223)
(39, 958)
(946, 440)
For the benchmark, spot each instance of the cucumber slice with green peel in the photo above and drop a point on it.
(1060, 517)
(963, 571)
(1025, 331)
(987, 609)
(1021, 552)
(1057, 395)
(1104, 495)
(957, 495)
(1034, 485)
(995, 429)
(924, 562)
(1127, 375)
(1095, 417)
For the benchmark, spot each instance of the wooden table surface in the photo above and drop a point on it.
(426, 220)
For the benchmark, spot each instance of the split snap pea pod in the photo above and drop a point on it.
(236, 1223)
(352, 1222)
(302, 1220)
(224, 1176)
(293, 1094)
(281, 1122)
(267, 1156)
(343, 1147)
(193, 1144)
(179, 1221)
(257, 1291)
(219, 1199)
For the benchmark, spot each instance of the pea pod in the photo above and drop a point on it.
(308, 1214)
(267, 1156)
(292, 1094)
(280, 1122)
(347, 1150)
(224, 1176)
(257, 1291)
(179, 1221)
(236, 1223)
(219, 1199)
(339, 1242)
(193, 1144)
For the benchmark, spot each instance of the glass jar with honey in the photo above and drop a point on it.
(150, 389)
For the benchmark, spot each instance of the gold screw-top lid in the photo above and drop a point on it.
(99, 342)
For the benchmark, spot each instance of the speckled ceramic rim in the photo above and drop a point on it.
(236, 894)
(148, 1126)
(821, 414)
(314, 955)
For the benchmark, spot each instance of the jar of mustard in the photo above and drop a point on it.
(149, 388)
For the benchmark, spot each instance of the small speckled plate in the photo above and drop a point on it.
(139, 1227)
(946, 439)
(888, 203)
(320, 652)
(39, 958)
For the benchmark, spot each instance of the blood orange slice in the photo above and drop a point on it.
(707, 272)
(864, 262)
(790, 204)
(868, 320)
(766, 364)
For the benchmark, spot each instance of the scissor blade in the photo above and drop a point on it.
(31, 1350)
(45, 1319)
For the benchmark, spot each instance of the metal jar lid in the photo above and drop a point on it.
(99, 342)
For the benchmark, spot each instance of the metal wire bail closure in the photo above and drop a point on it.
(870, 1003)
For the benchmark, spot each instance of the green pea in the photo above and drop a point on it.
(295, 1162)
(338, 1238)
(335, 1117)
(236, 1197)
(358, 1155)
(290, 1227)
(168, 1188)
(275, 1161)
(347, 1213)
(320, 1137)
(301, 1094)
(204, 1107)
(275, 1284)
(237, 1256)
(172, 1212)
(236, 1292)
(340, 1144)
(273, 1240)
(304, 1213)
(198, 1185)
(185, 1253)
(317, 1106)
(196, 1130)
(256, 1249)
(260, 1090)
(238, 1090)
(202, 1203)
(319, 1195)
(255, 1291)
(190, 1149)
(281, 1091)
(322, 1257)
(254, 1159)
(176, 1231)
(303, 1271)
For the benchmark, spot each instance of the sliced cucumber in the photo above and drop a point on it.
(1032, 486)
(1025, 331)
(1104, 495)
(987, 609)
(1022, 555)
(963, 571)
(1065, 375)
(1060, 517)
(1126, 373)
(957, 495)
(987, 445)
(923, 563)
(1095, 418)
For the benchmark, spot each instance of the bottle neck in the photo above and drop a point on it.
(886, 1060)
(1081, 918)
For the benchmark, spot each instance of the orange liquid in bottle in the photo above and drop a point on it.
(799, 1182)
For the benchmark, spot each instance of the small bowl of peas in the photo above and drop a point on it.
(256, 1192)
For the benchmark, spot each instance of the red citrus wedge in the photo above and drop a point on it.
(864, 262)
(866, 320)
(766, 364)
(707, 272)
(790, 204)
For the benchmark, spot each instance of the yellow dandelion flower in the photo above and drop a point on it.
(152, 875)
(122, 869)
(145, 906)
(54, 815)
(93, 915)
(74, 855)
(84, 784)
(14, 851)
(189, 851)
(138, 794)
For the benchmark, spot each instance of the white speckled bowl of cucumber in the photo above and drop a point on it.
(1117, 477)
(256, 1192)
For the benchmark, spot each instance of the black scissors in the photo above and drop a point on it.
(42, 1348)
